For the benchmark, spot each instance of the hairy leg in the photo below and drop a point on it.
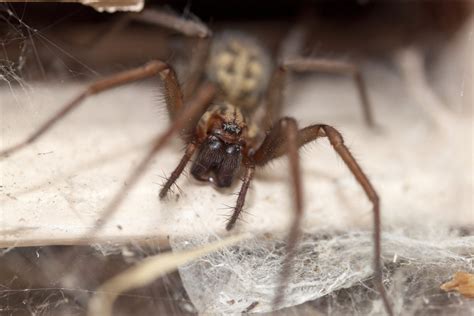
(287, 129)
(182, 119)
(196, 108)
(277, 84)
(278, 142)
(190, 149)
(174, 22)
(241, 198)
(172, 96)
(191, 28)
(167, 19)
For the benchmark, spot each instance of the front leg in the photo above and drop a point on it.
(280, 140)
(172, 93)
(284, 136)
(337, 142)
(193, 110)
(250, 170)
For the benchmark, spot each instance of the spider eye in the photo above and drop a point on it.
(231, 128)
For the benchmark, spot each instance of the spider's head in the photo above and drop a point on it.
(240, 67)
(220, 152)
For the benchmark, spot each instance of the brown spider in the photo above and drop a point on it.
(228, 117)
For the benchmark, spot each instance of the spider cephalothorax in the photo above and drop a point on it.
(222, 133)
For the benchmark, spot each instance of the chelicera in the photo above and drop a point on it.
(229, 118)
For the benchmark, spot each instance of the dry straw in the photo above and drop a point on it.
(149, 270)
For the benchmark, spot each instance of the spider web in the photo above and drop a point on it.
(338, 266)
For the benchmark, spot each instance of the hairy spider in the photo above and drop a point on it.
(228, 117)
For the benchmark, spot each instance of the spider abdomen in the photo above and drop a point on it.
(241, 67)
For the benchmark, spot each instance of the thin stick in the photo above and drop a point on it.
(147, 271)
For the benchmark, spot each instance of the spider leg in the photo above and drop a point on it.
(162, 18)
(337, 142)
(172, 95)
(295, 41)
(187, 27)
(194, 109)
(190, 149)
(284, 135)
(183, 117)
(276, 88)
(277, 144)
(250, 169)
(174, 22)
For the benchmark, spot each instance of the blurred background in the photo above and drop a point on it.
(78, 42)
(58, 42)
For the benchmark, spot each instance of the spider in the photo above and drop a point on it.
(228, 116)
